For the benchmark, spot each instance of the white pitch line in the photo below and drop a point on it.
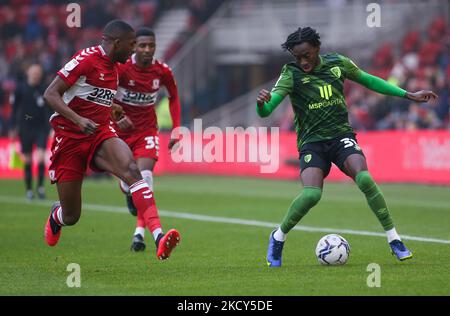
(217, 219)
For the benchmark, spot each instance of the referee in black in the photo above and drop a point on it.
(30, 121)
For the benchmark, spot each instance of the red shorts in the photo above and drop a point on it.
(72, 156)
(143, 144)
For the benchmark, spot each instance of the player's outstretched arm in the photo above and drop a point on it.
(53, 96)
(266, 102)
(379, 85)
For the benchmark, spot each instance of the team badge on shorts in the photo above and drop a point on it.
(308, 158)
(52, 175)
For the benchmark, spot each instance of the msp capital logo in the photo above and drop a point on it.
(308, 158)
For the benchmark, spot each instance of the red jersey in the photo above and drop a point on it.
(93, 80)
(137, 92)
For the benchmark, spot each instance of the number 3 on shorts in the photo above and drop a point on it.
(348, 142)
(152, 142)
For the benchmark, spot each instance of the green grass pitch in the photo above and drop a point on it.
(224, 225)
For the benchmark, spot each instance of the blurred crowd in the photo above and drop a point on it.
(421, 61)
(35, 31)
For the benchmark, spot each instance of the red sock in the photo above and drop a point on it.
(140, 219)
(145, 203)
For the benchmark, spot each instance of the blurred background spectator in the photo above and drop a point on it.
(419, 61)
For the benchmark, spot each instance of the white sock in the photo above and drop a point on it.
(59, 216)
(147, 175)
(392, 235)
(125, 188)
(279, 235)
(156, 233)
(140, 231)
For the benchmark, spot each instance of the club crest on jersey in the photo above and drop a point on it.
(155, 84)
(336, 71)
(131, 83)
(102, 76)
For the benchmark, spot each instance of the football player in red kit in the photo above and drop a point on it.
(81, 95)
(140, 79)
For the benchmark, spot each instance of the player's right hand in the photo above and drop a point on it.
(125, 123)
(117, 112)
(86, 125)
(263, 96)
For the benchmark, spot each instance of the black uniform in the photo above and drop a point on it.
(31, 116)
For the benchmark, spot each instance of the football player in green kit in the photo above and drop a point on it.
(314, 84)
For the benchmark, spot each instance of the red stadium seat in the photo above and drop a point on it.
(429, 52)
(44, 13)
(411, 42)
(383, 57)
(437, 28)
(23, 15)
(147, 11)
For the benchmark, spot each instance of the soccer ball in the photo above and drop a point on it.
(332, 250)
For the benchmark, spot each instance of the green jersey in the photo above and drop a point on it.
(317, 97)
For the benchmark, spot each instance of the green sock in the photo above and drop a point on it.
(375, 198)
(300, 206)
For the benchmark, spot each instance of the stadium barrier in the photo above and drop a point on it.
(392, 156)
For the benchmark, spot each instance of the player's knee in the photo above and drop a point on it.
(364, 181)
(131, 172)
(312, 195)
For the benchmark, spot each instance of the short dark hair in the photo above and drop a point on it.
(302, 35)
(116, 29)
(145, 31)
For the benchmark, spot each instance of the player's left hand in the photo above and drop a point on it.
(421, 96)
(172, 142)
